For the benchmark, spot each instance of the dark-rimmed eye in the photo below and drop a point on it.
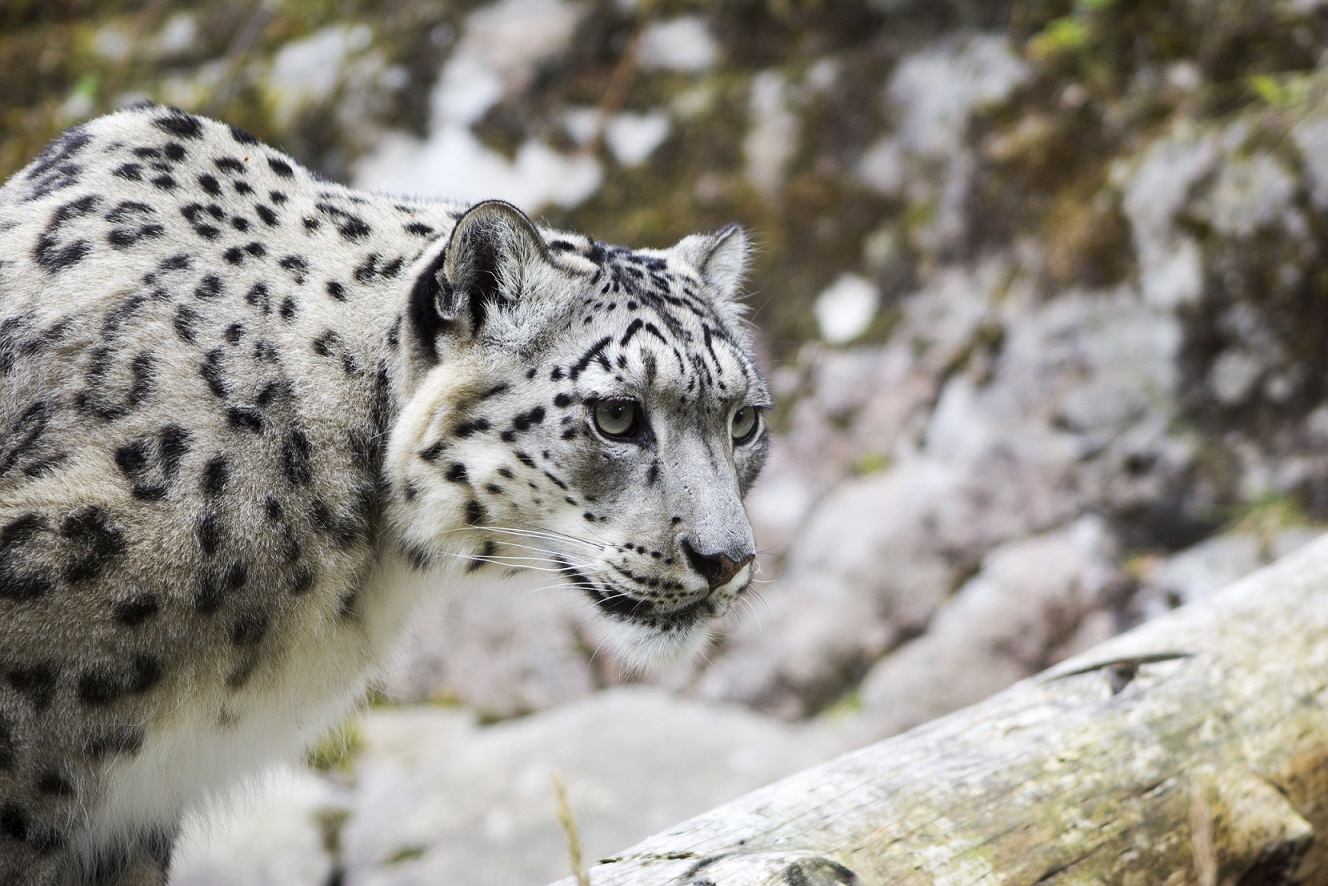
(617, 418)
(744, 424)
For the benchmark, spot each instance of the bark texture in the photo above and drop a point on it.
(1193, 749)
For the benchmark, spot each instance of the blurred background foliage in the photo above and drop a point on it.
(1099, 84)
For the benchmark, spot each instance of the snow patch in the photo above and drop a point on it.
(680, 44)
(308, 71)
(634, 137)
(113, 43)
(178, 35)
(453, 164)
(937, 89)
(773, 136)
(514, 36)
(1154, 188)
(499, 50)
(846, 308)
(468, 88)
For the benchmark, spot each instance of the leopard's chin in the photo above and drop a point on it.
(641, 634)
(644, 646)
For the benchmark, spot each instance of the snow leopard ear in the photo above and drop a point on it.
(490, 250)
(720, 258)
(481, 268)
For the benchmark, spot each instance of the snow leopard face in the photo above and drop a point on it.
(587, 409)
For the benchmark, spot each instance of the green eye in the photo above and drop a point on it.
(616, 418)
(745, 422)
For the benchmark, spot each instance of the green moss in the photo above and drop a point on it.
(1087, 236)
(1105, 44)
(235, 35)
(405, 854)
(1280, 92)
(336, 751)
(1271, 516)
(871, 463)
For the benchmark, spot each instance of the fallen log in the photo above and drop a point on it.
(1193, 749)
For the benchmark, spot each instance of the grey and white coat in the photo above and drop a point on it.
(249, 417)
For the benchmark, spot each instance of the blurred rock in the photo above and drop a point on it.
(932, 94)
(1156, 189)
(1004, 624)
(503, 647)
(874, 561)
(778, 503)
(1199, 571)
(1083, 289)
(501, 47)
(442, 801)
(1250, 192)
(1211, 565)
(846, 308)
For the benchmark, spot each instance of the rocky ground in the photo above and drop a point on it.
(1040, 293)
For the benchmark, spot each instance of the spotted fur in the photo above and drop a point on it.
(248, 418)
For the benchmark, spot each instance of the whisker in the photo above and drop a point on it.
(498, 562)
(765, 604)
(551, 533)
(538, 550)
(514, 558)
(538, 533)
(547, 535)
(750, 611)
(561, 586)
(602, 539)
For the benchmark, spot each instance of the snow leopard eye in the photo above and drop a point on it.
(744, 424)
(617, 418)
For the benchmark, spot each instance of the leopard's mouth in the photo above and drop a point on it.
(623, 606)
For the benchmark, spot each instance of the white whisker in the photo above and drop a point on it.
(497, 561)
(527, 533)
(541, 533)
(748, 605)
(561, 586)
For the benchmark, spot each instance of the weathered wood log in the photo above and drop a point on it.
(1193, 749)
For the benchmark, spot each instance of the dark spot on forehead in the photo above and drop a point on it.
(179, 123)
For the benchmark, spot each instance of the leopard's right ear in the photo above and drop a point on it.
(480, 268)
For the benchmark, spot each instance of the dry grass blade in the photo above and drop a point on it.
(568, 821)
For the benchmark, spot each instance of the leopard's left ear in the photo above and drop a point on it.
(720, 258)
(492, 254)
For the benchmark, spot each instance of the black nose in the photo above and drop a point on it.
(719, 568)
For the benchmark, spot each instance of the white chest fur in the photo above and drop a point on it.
(215, 740)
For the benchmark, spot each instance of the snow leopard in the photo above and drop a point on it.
(250, 418)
